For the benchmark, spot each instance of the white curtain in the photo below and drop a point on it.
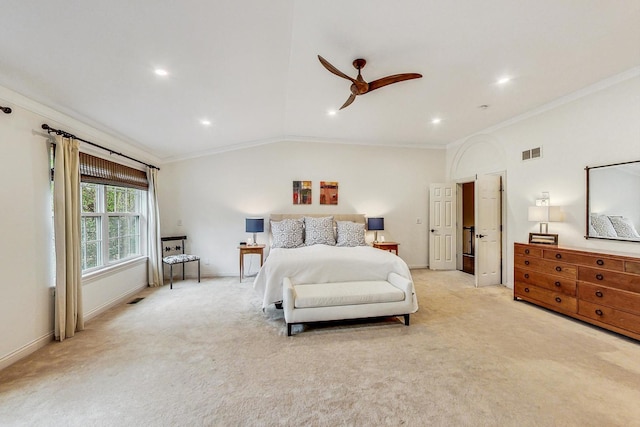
(66, 211)
(153, 232)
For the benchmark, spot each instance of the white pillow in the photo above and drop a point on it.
(603, 226)
(319, 231)
(624, 227)
(350, 234)
(287, 233)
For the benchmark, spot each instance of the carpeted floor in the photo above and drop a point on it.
(207, 355)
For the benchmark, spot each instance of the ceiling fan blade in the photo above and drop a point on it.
(348, 101)
(376, 84)
(334, 70)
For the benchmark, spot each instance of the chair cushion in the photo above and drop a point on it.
(180, 258)
(346, 293)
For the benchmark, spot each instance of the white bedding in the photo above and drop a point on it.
(324, 264)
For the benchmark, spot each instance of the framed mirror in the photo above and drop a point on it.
(613, 201)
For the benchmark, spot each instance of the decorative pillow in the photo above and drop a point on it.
(350, 234)
(287, 233)
(624, 227)
(602, 225)
(319, 231)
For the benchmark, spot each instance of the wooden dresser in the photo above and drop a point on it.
(600, 288)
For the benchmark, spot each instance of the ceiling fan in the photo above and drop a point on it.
(359, 86)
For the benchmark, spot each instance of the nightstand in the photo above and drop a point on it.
(250, 249)
(387, 246)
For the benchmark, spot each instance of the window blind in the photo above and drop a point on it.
(100, 171)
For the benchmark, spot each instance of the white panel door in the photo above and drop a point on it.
(442, 226)
(488, 214)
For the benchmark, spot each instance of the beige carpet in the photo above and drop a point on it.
(205, 354)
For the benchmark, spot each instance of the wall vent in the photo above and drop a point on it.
(533, 153)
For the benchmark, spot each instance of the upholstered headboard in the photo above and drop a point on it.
(360, 218)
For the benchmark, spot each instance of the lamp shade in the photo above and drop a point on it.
(545, 214)
(375, 224)
(254, 225)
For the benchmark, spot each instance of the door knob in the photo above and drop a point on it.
(433, 230)
(480, 236)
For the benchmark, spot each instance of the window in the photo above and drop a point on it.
(113, 212)
(110, 226)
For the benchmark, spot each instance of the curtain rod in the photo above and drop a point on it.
(49, 129)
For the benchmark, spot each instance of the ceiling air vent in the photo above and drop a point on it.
(534, 153)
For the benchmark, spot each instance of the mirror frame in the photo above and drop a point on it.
(587, 217)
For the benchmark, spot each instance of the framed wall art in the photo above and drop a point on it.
(301, 192)
(328, 192)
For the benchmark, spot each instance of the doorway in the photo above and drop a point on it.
(467, 191)
(478, 230)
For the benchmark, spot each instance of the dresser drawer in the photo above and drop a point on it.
(611, 279)
(546, 266)
(610, 316)
(632, 267)
(519, 249)
(587, 260)
(555, 300)
(547, 281)
(623, 300)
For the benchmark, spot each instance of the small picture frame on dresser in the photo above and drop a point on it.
(543, 239)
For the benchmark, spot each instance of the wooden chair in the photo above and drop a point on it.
(175, 255)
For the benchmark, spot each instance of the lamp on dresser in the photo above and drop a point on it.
(544, 215)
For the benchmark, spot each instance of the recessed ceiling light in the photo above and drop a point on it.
(503, 80)
(161, 72)
(205, 122)
(332, 112)
(436, 120)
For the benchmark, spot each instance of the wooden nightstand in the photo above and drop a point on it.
(249, 249)
(387, 246)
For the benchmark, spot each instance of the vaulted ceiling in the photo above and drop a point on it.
(250, 67)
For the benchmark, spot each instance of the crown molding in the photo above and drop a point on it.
(581, 93)
(83, 128)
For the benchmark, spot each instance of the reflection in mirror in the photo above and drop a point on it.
(613, 201)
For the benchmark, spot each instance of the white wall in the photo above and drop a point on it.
(213, 195)
(600, 125)
(26, 302)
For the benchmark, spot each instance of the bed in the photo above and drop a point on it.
(324, 263)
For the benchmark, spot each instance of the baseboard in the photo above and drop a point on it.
(112, 303)
(26, 350)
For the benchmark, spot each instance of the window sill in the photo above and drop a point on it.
(112, 269)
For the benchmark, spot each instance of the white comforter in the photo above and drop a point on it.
(324, 264)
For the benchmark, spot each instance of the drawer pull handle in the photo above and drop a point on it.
(526, 290)
(558, 299)
(526, 276)
(600, 262)
(599, 276)
(558, 284)
(526, 251)
(599, 294)
(526, 262)
(599, 312)
(558, 256)
(558, 268)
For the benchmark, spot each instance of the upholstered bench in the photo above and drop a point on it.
(318, 302)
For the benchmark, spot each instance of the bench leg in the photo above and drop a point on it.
(198, 271)
(170, 276)
(406, 320)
